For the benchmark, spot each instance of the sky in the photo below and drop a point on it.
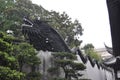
(92, 14)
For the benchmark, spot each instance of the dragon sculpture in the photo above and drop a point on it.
(42, 36)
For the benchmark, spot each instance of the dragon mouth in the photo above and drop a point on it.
(27, 23)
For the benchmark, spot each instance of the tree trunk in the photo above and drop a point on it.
(66, 75)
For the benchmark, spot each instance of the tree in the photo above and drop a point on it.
(12, 12)
(13, 56)
(25, 53)
(9, 67)
(66, 61)
(68, 30)
(5, 7)
(88, 46)
(89, 50)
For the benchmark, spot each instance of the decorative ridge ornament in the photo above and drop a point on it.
(42, 36)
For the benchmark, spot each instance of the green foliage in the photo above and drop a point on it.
(7, 74)
(8, 61)
(5, 46)
(62, 55)
(69, 30)
(89, 50)
(78, 66)
(12, 13)
(84, 79)
(33, 76)
(5, 7)
(88, 46)
(65, 61)
(2, 35)
(25, 53)
(14, 56)
(5, 42)
(58, 79)
(9, 39)
(52, 69)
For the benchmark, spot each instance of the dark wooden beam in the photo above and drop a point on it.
(114, 17)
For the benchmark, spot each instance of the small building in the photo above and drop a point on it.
(103, 52)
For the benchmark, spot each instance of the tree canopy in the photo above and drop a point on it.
(66, 61)
(9, 66)
(89, 50)
(13, 11)
(13, 56)
(15, 51)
